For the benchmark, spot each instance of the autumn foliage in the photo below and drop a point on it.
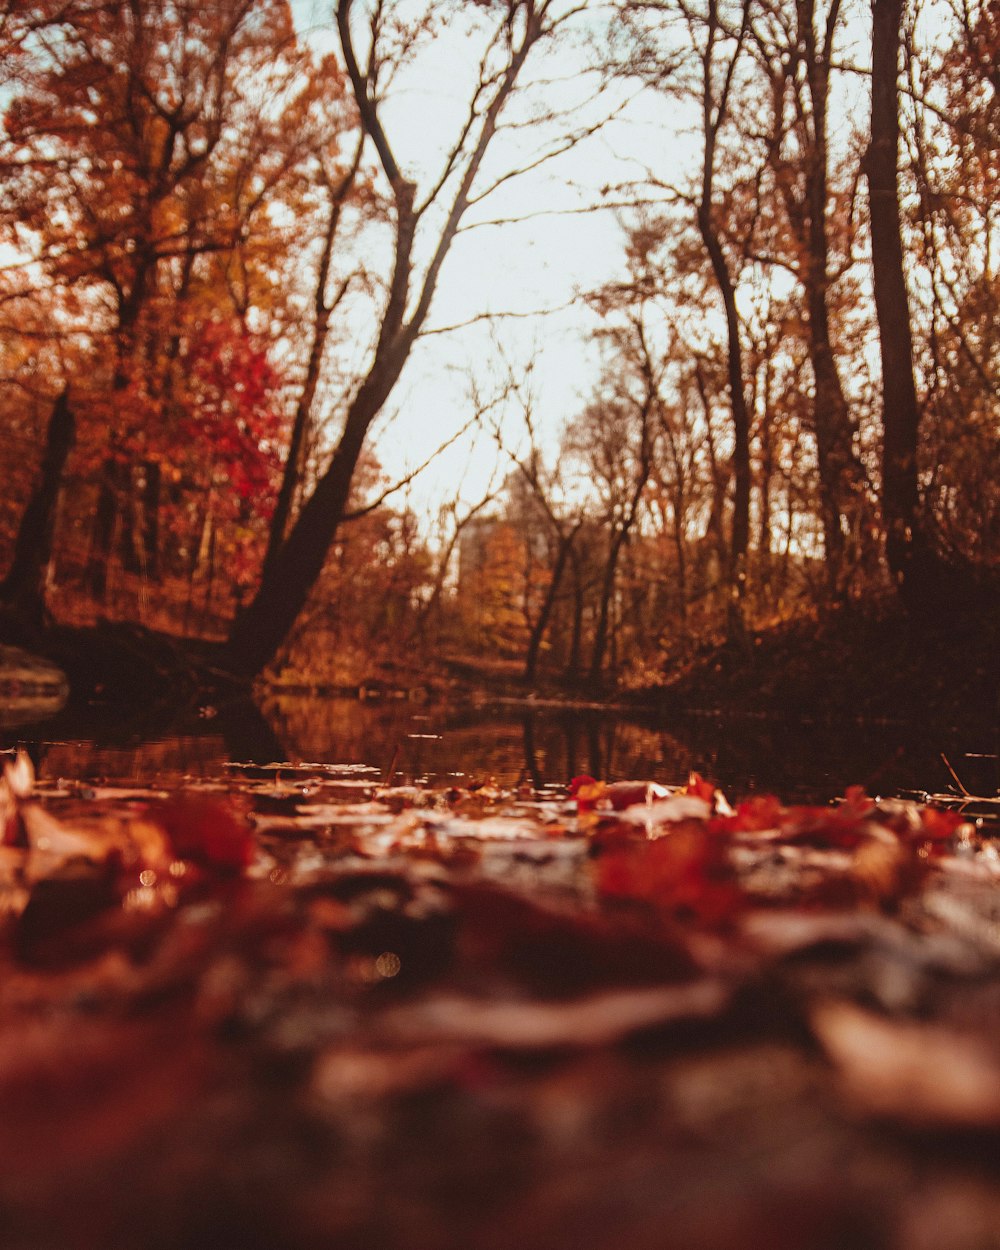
(221, 258)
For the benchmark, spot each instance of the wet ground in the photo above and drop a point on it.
(296, 1008)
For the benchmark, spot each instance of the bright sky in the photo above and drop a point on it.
(539, 263)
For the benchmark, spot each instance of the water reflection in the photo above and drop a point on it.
(167, 760)
(508, 743)
(800, 762)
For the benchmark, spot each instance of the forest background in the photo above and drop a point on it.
(260, 385)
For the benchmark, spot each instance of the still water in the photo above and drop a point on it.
(510, 743)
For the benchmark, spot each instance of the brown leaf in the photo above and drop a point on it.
(921, 1074)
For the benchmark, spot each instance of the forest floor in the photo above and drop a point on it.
(294, 1008)
(289, 1007)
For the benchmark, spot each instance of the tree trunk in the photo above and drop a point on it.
(140, 542)
(681, 553)
(105, 526)
(740, 534)
(293, 461)
(604, 606)
(262, 627)
(840, 473)
(900, 411)
(24, 586)
(531, 769)
(545, 612)
(303, 409)
(572, 673)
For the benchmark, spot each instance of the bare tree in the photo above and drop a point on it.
(905, 543)
(616, 437)
(719, 53)
(795, 47)
(424, 229)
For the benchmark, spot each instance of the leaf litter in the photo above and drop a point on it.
(575, 1018)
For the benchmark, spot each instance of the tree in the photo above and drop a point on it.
(615, 437)
(697, 52)
(147, 153)
(906, 543)
(795, 47)
(23, 587)
(336, 186)
(950, 133)
(423, 231)
(534, 500)
(719, 55)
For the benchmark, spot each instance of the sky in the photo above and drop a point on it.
(564, 246)
(543, 262)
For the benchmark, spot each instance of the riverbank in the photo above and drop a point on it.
(847, 667)
(851, 666)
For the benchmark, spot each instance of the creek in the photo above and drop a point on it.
(800, 761)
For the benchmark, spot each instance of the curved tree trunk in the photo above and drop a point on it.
(259, 631)
(262, 627)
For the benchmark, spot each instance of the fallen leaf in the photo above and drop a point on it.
(921, 1074)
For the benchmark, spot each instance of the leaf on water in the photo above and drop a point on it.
(688, 874)
(206, 831)
(920, 1074)
(599, 1019)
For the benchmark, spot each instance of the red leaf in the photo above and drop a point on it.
(206, 831)
(687, 873)
(700, 788)
(587, 792)
(939, 825)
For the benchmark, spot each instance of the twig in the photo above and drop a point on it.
(955, 777)
(391, 770)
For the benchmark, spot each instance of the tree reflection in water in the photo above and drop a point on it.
(514, 743)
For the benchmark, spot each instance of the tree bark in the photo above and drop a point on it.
(322, 311)
(714, 113)
(572, 672)
(900, 410)
(24, 586)
(740, 533)
(545, 612)
(262, 627)
(928, 584)
(841, 475)
(102, 537)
